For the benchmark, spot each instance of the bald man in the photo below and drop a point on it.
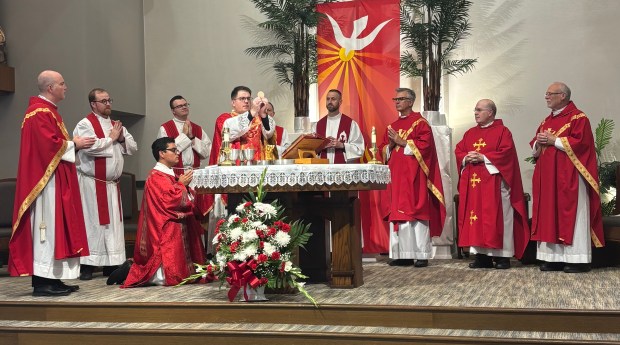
(49, 235)
(566, 218)
(491, 216)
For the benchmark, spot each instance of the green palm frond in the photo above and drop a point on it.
(454, 67)
(603, 135)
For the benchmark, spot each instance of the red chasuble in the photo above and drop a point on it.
(344, 132)
(481, 221)
(253, 138)
(164, 237)
(416, 191)
(43, 142)
(555, 181)
(172, 132)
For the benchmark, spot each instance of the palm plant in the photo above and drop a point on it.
(292, 49)
(431, 31)
(606, 170)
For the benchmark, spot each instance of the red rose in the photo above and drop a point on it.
(282, 266)
(264, 281)
(236, 220)
(253, 265)
(271, 232)
(275, 256)
(234, 246)
(248, 203)
(262, 258)
(210, 269)
(244, 220)
(261, 244)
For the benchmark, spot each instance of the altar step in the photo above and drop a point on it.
(34, 322)
(93, 333)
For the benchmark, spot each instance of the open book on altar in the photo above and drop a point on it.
(305, 149)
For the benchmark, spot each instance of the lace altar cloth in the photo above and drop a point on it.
(293, 177)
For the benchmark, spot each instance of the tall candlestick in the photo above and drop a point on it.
(226, 135)
(373, 137)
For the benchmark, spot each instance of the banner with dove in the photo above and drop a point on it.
(358, 46)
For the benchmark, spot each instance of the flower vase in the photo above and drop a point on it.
(249, 294)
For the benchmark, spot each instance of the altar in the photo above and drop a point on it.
(314, 193)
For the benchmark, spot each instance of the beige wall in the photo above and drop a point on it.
(91, 43)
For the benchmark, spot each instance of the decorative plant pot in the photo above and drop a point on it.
(248, 294)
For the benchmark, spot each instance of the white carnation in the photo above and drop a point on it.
(265, 209)
(240, 207)
(258, 225)
(232, 218)
(269, 248)
(249, 236)
(282, 238)
(249, 251)
(235, 234)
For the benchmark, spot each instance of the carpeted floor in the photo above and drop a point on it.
(443, 283)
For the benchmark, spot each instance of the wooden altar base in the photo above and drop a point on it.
(445, 303)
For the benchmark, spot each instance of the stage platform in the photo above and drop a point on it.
(445, 303)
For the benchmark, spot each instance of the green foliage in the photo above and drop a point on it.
(431, 32)
(603, 135)
(292, 50)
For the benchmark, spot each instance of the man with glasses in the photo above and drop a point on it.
(99, 170)
(491, 216)
(566, 217)
(346, 143)
(189, 137)
(413, 202)
(49, 235)
(165, 248)
(252, 127)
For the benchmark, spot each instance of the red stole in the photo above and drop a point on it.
(43, 143)
(343, 133)
(556, 175)
(100, 176)
(172, 132)
(481, 221)
(278, 134)
(253, 138)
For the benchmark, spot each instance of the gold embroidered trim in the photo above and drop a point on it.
(34, 193)
(426, 171)
(577, 163)
(595, 240)
(566, 126)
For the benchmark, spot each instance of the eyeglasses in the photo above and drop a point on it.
(185, 105)
(552, 93)
(481, 109)
(104, 101)
(174, 150)
(401, 99)
(244, 99)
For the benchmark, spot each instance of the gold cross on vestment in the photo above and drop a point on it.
(474, 179)
(479, 144)
(472, 217)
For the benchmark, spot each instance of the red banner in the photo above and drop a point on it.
(358, 45)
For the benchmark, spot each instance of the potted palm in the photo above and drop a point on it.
(292, 50)
(431, 30)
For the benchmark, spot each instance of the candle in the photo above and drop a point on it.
(373, 138)
(226, 135)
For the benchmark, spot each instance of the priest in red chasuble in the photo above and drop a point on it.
(566, 218)
(280, 136)
(165, 250)
(49, 235)
(491, 215)
(346, 140)
(413, 202)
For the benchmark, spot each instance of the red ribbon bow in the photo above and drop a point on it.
(239, 275)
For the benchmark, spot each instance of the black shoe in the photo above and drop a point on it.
(86, 272)
(551, 266)
(73, 288)
(50, 291)
(120, 274)
(502, 263)
(107, 270)
(481, 261)
(577, 268)
(420, 263)
(401, 262)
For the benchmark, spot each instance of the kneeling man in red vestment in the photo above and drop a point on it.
(165, 249)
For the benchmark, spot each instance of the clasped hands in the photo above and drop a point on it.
(186, 177)
(187, 129)
(334, 143)
(474, 157)
(545, 138)
(394, 138)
